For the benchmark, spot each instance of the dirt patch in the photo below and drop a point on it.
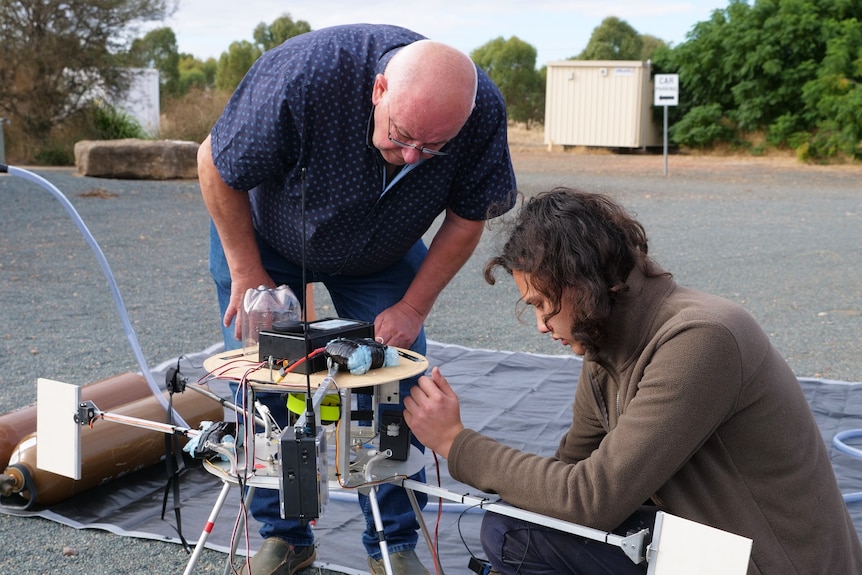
(98, 193)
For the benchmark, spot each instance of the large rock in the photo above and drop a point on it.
(137, 159)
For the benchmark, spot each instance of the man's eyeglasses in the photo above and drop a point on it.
(418, 148)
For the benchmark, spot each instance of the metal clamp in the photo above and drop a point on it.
(86, 413)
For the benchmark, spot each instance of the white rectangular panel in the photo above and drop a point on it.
(58, 436)
(683, 547)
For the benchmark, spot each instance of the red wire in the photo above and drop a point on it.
(303, 359)
(439, 512)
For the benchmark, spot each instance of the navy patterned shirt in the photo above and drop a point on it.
(301, 119)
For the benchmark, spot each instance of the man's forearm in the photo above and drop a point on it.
(451, 247)
(230, 211)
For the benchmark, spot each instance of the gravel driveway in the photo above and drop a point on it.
(782, 239)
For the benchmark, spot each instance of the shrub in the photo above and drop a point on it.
(702, 127)
(833, 142)
(113, 124)
(55, 156)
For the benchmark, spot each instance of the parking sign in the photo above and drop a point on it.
(666, 90)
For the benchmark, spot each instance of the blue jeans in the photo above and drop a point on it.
(360, 298)
(514, 546)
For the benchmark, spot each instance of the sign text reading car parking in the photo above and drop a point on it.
(666, 91)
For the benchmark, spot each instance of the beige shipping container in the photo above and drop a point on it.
(602, 103)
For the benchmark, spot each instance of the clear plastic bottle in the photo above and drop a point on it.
(263, 307)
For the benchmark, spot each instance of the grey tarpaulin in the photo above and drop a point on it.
(521, 399)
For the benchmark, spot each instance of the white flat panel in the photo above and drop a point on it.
(683, 547)
(58, 437)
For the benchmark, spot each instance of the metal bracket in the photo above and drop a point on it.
(634, 545)
(86, 413)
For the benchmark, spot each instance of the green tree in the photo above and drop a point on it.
(651, 45)
(57, 54)
(782, 68)
(511, 64)
(196, 74)
(158, 49)
(699, 61)
(833, 99)
(282, 28)
(233, 64)
(613, 39)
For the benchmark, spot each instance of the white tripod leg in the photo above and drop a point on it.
(375, 511)
(222, 496)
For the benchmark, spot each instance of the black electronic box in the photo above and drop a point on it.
(295, 340)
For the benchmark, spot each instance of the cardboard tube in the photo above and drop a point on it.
(106, 394)
(108, 450)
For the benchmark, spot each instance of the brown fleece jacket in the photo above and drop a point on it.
(687, 403)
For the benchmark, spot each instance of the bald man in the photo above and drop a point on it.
(381, 131)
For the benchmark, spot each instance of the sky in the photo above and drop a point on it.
(558, 29)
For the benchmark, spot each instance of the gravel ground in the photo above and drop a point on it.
(780, 238)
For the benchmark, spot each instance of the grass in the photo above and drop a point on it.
(191, 117)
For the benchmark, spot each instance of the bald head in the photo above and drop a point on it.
(423, 98)
(432, 78)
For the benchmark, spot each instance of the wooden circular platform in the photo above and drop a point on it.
(234, 365)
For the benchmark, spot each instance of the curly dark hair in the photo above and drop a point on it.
(580, 243)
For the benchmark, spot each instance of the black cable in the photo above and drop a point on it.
(475, 564)
(460, 533)
(526, 549)
(310, 420)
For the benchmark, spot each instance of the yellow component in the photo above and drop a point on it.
(330, 409)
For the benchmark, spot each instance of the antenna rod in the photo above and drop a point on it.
(310, 420)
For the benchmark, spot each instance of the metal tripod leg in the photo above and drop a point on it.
(375, 511)
(416, 510)
(222, 496)
(378, 524)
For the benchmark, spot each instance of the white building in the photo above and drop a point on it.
(601, 103)
(142, 100)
